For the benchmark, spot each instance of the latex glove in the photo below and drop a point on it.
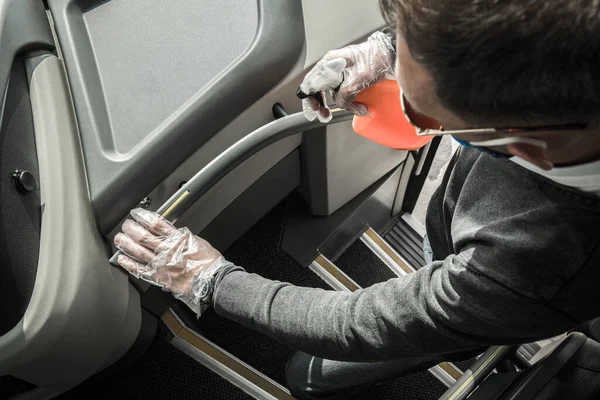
(346, 72)
(174, 259)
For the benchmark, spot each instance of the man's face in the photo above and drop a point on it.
(564, 147)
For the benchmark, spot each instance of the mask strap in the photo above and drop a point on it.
(511, 140)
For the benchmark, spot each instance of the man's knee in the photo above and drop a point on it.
(307, 379)
(297, 376)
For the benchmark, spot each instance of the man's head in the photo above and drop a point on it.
(504, 63)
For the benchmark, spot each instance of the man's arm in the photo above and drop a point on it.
(448, 306)
(445, 307)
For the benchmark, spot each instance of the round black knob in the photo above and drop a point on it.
(24, 181)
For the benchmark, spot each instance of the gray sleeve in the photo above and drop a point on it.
(443, 308)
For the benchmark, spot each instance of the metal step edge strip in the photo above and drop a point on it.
(332, 275)
(219, 361)
(447, 373)
(414, 223)
(390, 257)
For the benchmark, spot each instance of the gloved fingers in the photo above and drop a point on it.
(130, 265)
(350, 88)
(310, 108)
(354, 83)
(348, 53)
(357, 109)
(185, 250)
(347, 72)
(173, 246)
(325, 75)
(140, 234)
(324, 113)
(133, 249)
(153, 222)
(344, 97)
(136, 269)
(312, 103)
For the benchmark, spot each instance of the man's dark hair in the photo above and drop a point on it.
(504, 62)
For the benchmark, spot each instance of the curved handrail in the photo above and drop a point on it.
(235, 155)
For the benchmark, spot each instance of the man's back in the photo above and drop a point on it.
(531, 243)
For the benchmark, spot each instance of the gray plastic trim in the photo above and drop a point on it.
(336, 166)
(254, 203)
(407, 170)
(23, 27)
(115, 179)
(83, 314)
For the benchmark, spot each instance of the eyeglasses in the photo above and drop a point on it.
(427, 126)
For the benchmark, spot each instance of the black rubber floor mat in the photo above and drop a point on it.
(163, 372)
(258, 251)
(363, 266)
(419, 386)
(255, 349)
(465, 365)
(407, 242)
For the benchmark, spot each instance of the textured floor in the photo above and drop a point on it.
(163, 372)
(464, 365)
(363, 266)
(257, 251)
(261, 352)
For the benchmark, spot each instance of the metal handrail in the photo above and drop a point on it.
(477, 373)
(235, 155)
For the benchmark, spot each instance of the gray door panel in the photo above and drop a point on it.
(153, 81)
(83, 314)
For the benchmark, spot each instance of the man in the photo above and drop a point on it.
(515, 240)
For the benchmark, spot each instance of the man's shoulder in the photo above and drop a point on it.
(521, 229)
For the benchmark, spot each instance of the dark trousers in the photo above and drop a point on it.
(310, 378)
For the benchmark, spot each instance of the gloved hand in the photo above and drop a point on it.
(174, 259)
(345, 73)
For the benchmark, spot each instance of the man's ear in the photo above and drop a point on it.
(534, 154)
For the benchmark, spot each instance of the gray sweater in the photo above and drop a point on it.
(517, 260)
